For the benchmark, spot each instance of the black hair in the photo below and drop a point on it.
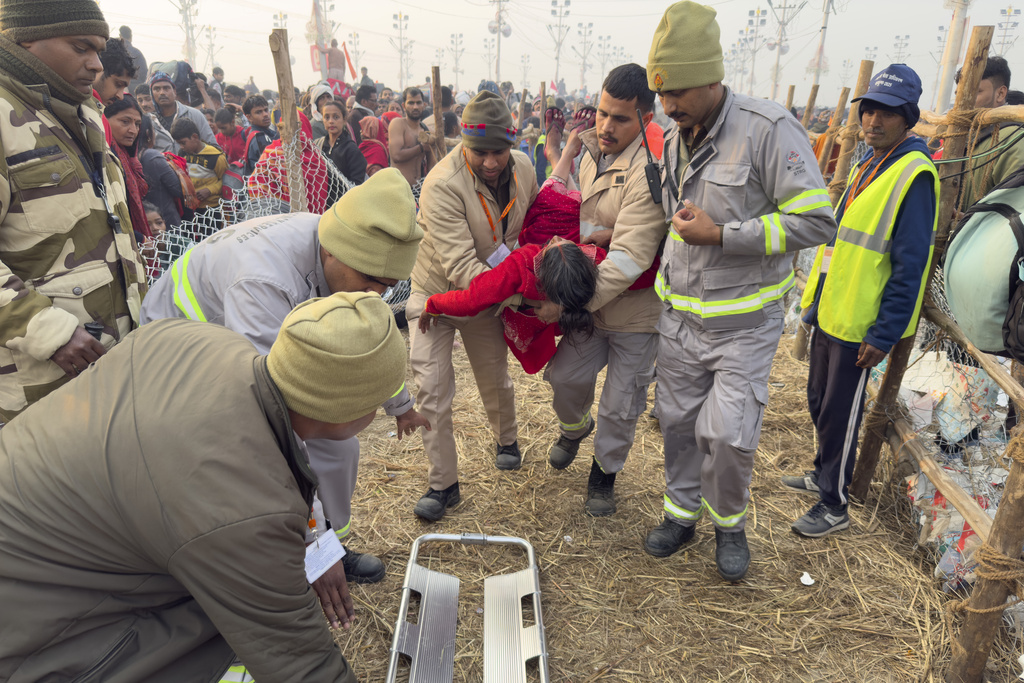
(146, 133)
(451, 124)
(253, 102)
(234, 91)
(560, 102)
(364, 92)
(123, 104)
(335, 103)
(628, 82)
(217, 70)
(223, 116)
(447, 99)
(996, 70)
(215, 97)
(183, 129)
(568, 277)
(411, 92)
(334, 42)
(1015, 97)
(142, 89)
(116, 60)
(147, 207)
(125, 32)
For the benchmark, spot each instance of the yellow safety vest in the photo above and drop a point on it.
(859, 265)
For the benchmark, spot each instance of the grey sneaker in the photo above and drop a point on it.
(821, 520)
(805, 483)
(509, 457)
(564, 451)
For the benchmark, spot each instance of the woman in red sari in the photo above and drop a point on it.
(125, 118)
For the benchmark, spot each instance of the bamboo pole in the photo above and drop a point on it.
(851, 135)
(988, 363)
(974, 65)
(901, 437)
(983, 613)
(522, 112)
(440, 148)
(809, 109)
(289, 127)
(789, 97)
(833, 131)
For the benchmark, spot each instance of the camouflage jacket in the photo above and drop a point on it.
(62, 264)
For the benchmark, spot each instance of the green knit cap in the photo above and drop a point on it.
(687, 49)
(24, 21)
(487, 123)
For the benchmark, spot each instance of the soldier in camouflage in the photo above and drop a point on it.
(68, 257)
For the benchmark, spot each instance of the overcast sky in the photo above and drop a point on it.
(242, 27)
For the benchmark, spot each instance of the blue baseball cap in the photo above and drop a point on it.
(894, 86)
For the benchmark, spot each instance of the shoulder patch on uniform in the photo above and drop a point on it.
(620, 179)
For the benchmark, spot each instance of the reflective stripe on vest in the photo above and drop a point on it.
(184, 298)
(860, 264)
(714, 309)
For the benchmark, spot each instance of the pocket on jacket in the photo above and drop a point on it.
(753, 415)
(68, 290)
(732, 296)
(50, 194)
(125, 647)
(725, 191)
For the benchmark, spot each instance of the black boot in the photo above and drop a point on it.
(667, 538)
(362, 567)
(433, 504)
(600, 492)
(731, 554)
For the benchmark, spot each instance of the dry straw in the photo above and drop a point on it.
(613, 613)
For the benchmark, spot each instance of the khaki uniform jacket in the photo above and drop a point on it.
(985, 172)
(620, 199)
(124, 558)
(457, 237)
(61, 263)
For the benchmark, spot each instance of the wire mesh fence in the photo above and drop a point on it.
(266, 192)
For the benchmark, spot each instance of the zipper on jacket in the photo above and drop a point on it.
(115, 650)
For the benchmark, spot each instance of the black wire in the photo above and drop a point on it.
(996, 153)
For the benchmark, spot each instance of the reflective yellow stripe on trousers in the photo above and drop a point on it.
(184, 298)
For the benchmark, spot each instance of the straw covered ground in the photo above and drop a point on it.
(613, 613)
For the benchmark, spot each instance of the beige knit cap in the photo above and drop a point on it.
(372, 228)
(338, 358)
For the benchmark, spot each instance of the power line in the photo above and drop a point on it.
(558, 34)
(781, 46)
(584, 33)
(456, 49)
(1008, 29)
(404, 47)
(188, 9)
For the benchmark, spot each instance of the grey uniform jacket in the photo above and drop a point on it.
(162, 140)
(249, 276)
(756, 175)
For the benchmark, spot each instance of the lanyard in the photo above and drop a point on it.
(483, 203)
(854, 189)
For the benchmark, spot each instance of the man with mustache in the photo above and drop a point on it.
(742, 191)
(410, 156)
(865, 290)
(618, 214)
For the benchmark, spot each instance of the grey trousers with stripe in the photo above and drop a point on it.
(572, 373)
(336, 465)
(712, 390)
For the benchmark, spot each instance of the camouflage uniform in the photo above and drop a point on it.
(61, 263)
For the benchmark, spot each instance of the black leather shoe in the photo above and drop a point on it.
(362, 567)
(509, 457)
(600, 492)
(731, 554)
(564, 450)
(433, 504)
(668, 537)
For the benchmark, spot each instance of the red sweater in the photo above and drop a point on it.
(234, 147)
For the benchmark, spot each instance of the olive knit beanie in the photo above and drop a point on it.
(372, 228)
(337, 359)
(687, 49)
(24, 21)
(487, 123)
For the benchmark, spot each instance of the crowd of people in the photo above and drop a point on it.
(182, 518)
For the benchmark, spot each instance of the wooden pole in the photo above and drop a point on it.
(789, 97)
(851, 136)
(980, 627)
(440, 148)
(809, 109)
(289, 127)
(522, 113)
(974, 66)
(833, 131)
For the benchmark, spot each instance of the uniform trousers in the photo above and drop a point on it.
(430, 357)
(336, 466)
(712, 390)
(572, 374)
(835, 396)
